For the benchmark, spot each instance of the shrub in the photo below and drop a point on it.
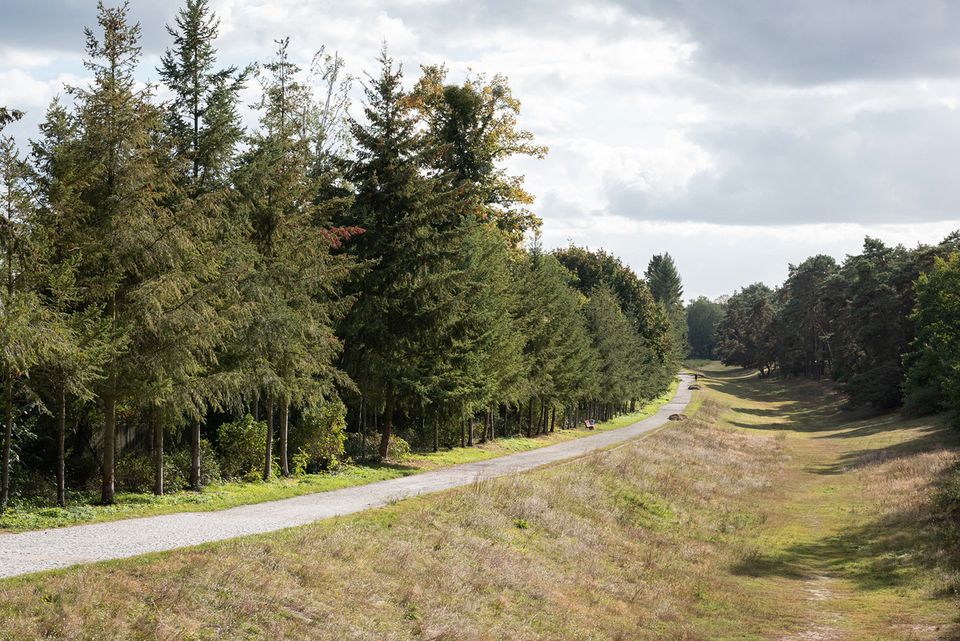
(320, 436)
(242, 445)
(209, 465)
(398, 450)
(134, 472)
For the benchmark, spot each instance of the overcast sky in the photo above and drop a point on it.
(739, 136)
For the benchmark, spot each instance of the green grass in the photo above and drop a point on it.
(83, 509)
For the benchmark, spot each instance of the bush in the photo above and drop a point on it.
(134, 472)
(923, 401)
(319, 438)
(209, 465)
(398, 450)
(242, 446)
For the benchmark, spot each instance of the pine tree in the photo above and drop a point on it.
(410, 242)
(76, 361)
(290, 343)
(24, 332)
(127, 239)
(202, 121)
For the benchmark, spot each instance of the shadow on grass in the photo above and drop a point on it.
(889, 553)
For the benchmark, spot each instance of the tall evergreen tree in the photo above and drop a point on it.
(78, 358)
(23, 329)
(409, 240)
(127, 239)
(202, 122)
(290, 344)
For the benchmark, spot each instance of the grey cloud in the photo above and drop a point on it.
(57, 25)
(881, 167)
(816, 41)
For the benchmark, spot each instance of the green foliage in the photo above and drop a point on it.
(746, 336)
(209, 466)
(664, 281)
(241, 444)
(165, 267)
(703, 318)
(399, 450)
(933, 380)
(319, 437)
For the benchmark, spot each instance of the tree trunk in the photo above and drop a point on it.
(436, 435)
(363, 430)
(284, 431)
(463, 433)
(195, 456)
(553, 419)
(61, 448)
(109, 438)
(157, 453)
(470, 432)
(387, 426)
(268, 455)
(7, 439)
(530, 418)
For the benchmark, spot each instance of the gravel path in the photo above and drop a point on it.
(62, 547)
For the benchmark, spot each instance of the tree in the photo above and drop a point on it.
(8, 115)
(806, 326)
(664, 281)
(398, 321)
(290, 343)
(595, 269)
(703, 317)
(667, 290)
(23, 328)
(472, 131)
(127, 240)
(747, 334)
(203, 122)
(76, 360)
(933, 377)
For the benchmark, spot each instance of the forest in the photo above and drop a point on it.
(187, 299)
(884, 324)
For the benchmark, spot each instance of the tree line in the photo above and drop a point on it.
(168, 271)
(884, 323)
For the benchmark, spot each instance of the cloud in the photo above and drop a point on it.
(879, 167)
(815, 41)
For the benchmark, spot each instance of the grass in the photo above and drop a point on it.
(771, 514)
(83, 509)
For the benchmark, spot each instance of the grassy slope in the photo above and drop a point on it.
(770, 515)
(226, 495)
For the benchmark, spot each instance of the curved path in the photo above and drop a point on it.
(58, 548)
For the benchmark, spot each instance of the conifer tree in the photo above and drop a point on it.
(290, 340)
(23, 331)
(126, 237)
(203, 123)
(398, 320)
(77, 359)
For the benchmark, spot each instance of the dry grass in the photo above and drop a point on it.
(616, 546)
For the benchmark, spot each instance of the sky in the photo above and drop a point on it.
(739, 136)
